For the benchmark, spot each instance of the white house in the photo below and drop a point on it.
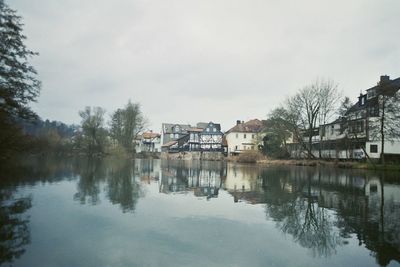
(243, 136)
(148, 142)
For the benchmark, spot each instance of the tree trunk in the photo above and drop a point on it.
(382, 132)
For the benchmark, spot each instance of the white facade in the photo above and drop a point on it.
(239, 142)
(242, 179)
(148, 144)
(374, 149)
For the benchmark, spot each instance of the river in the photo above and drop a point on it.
(86, 212)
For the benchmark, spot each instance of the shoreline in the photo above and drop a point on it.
(325, 163)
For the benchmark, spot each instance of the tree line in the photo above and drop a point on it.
(95, 137)
(21, 129)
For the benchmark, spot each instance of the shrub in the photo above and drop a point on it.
(249, 156)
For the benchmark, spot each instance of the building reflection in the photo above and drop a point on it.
(243, 183)
(321, 209)
(204, 179)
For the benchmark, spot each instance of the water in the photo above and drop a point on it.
(157, 213)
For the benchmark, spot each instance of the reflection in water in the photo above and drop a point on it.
(91, 172)
(122, 187)
(322, 210)
(116, 177)
(296, 207)
(14, 223)
(203, 178)
(14, 228)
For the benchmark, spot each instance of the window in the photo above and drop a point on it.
(244, 136)
(176, 135)
(373, 148)
(208, 129)
(252, 136)
(214, 130)
(171, 135)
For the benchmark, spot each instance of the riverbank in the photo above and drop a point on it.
(335, 164)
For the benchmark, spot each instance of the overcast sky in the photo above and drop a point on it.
(203, 60)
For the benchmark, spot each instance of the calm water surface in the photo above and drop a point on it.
(155, 213)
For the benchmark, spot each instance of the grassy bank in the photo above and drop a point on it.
(335, 164)
(256, 158)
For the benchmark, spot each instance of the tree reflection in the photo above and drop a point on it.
(122, 187)
(92, 172)
(295, 208)
(14, 225)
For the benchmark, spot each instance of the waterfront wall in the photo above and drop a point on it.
(194, 155)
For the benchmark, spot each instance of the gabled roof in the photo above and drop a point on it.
(251, 126)
(167, 127)
(212, 129)
(171, 143)
(391, 83)
(203, 125)
(148, 135)
(357, 106)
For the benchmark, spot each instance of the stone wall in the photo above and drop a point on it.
(194, 155)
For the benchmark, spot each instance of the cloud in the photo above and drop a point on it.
(187, 60)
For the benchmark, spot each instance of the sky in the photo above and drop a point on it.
(187, 61)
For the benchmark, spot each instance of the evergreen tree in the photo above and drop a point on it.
(18, 83)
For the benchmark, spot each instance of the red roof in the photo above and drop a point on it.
(151, 135)
(251, 126)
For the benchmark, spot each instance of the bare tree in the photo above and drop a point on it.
(345, 105)
(329, 97)
(94, 134)
(126, 124)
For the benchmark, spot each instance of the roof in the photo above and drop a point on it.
(195, 130)
(171, 143)
(203, 125)
(251, 126)
(167, 127)
(150, 135)
(394, 82)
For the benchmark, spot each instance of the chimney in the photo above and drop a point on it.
(237, 122)
(384, 79)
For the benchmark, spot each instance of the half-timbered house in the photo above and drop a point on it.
(211, 137)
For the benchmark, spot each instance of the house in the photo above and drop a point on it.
(357, 134)
(243, 136)
(211, 137)
(148, 142)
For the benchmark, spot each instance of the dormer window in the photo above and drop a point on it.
(371, 93)
(362, 101)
